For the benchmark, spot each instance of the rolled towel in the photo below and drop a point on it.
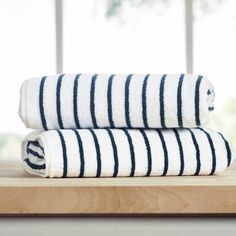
(125, 152)
(116, 101)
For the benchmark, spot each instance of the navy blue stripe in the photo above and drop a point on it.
(58, 98)
(179, 101)
(212, 150)
(148, 148)
(92, 102)
(64, 153)
(163, 143)
(127, 115)
(132, 154)
(109, 101)
(144, 101)
(32, 152)
(34, 166)
(81, 152)
(41, 102)
(181, 153)
(197, 98)
(162, 106)
(99, 164)
(114, 148)
(36, 144)
(229, 154)
(198, 161)
(75, 103)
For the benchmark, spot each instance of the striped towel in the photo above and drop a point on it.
(116, 101)
(125, 152)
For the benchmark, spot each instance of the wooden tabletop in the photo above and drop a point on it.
(22, 193)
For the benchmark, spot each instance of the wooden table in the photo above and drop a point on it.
(24, 194)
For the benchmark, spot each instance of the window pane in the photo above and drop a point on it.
(215, 56)
(27, 46)
(112, 36)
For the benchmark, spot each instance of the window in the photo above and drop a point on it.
(115, 36)
(118, 36)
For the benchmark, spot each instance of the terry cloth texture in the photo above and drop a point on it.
(125, 152)
(116, 101)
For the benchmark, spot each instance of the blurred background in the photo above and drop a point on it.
(45, 37)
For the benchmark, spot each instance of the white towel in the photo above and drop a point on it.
(125, 152)
(116, 101)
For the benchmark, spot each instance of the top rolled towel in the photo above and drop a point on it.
(116, 101)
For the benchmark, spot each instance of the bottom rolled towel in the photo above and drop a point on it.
(125, 152)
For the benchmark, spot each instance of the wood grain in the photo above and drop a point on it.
(20, 193)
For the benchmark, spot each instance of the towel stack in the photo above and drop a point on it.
(120, 125)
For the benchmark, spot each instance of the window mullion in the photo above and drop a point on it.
(189, 35)
(59, 35)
